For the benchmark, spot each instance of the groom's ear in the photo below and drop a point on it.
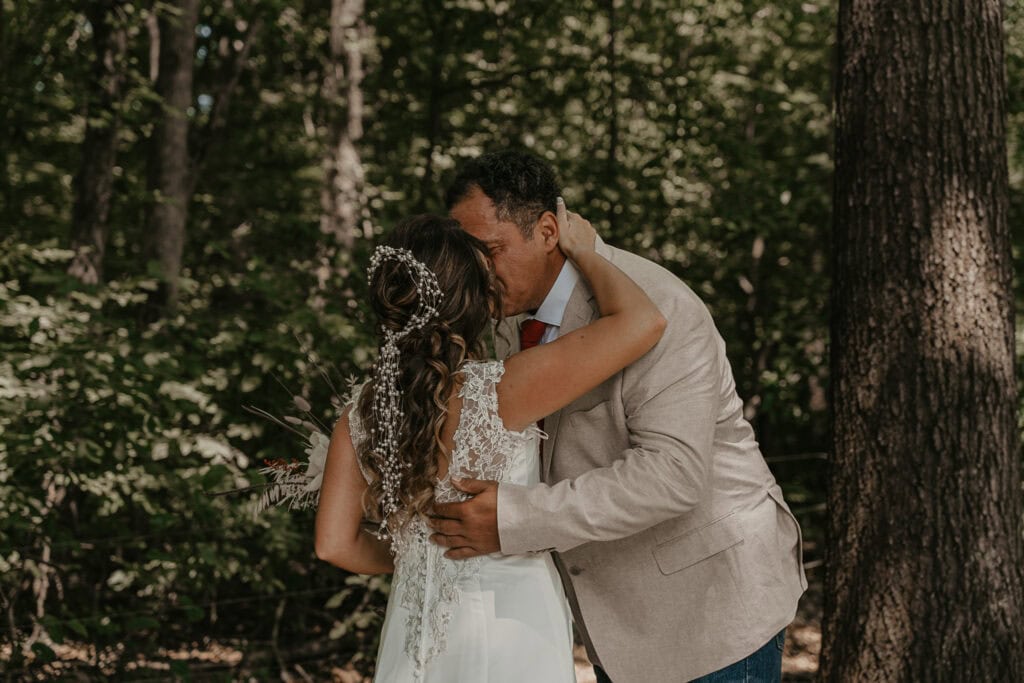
(546, 230)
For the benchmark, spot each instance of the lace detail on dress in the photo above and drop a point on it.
(483, 448)
(355, 423)
(429, 582)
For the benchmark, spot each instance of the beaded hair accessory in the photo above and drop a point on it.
(387, 406)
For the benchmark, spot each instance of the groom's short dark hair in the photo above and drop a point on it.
(521, 185)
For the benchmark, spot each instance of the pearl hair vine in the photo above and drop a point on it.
(388, 415)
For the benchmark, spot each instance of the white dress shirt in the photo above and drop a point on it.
(553, 308)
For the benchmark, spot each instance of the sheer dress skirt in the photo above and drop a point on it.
(491, 619)
(511, 624)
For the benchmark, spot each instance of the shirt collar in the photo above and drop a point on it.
(553, 308)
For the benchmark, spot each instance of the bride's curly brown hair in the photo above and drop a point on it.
(431, 356)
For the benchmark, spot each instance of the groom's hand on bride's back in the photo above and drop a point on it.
(469, 528)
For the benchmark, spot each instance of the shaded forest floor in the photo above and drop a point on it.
(803, 637)
(217, 662)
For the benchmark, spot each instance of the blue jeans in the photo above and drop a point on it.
(764, 666)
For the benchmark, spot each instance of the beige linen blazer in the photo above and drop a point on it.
(676, 548)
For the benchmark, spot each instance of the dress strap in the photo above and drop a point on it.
(355, 426)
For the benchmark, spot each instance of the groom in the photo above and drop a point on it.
(678, 554)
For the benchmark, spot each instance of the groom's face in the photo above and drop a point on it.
(521, 264)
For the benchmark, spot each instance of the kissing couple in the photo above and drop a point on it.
(598, 470)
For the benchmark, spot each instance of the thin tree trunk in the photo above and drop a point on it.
(8, 117)
(428, 185)
(758, 347)
(169, 168)
(95, 178)
(925, 501)
(153, 28)
(211, 135)
(613, 117)
(341, 197)
(439, 21)
(28, 54)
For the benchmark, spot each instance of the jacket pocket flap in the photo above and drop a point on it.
(583, 409)
(699, 544)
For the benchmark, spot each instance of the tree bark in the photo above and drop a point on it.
(341, 196)
(437, 20)
(233, 66)
(94, 181)
(759, 347)
(153, 28)
(169, 167)
(612, 163)
(924, 551)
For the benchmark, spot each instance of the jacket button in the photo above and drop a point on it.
(575, 571)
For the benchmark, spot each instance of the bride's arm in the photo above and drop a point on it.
(339, 538)
(541, 380)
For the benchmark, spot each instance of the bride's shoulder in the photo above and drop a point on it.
(354, 391)
(349, 404)
(481, 372)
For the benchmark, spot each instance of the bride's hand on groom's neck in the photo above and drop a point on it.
(576, 235)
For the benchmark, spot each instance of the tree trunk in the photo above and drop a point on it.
(758, 345)
(95, 178)
(153, 28)
(925, 500)
(169, 167)
(612, 162)
(233, 63)
(439, 22)
(342, 190)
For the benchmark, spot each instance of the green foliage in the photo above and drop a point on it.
(116, 435)
(696, 135)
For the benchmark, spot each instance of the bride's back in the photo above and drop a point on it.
(476, 442)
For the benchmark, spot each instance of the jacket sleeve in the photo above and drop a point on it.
(671, 399)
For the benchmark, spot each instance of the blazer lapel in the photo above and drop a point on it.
(506, 336)
(580, 311)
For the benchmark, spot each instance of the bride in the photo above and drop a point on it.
(433, 408)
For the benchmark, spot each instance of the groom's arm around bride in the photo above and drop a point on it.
(678, 552)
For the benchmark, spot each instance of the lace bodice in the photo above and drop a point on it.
(483, 448)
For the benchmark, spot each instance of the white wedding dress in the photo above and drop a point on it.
(491, 619)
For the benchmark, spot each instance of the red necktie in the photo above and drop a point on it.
(530, 333)
(529, 336)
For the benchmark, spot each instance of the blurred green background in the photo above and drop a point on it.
(697, 134)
